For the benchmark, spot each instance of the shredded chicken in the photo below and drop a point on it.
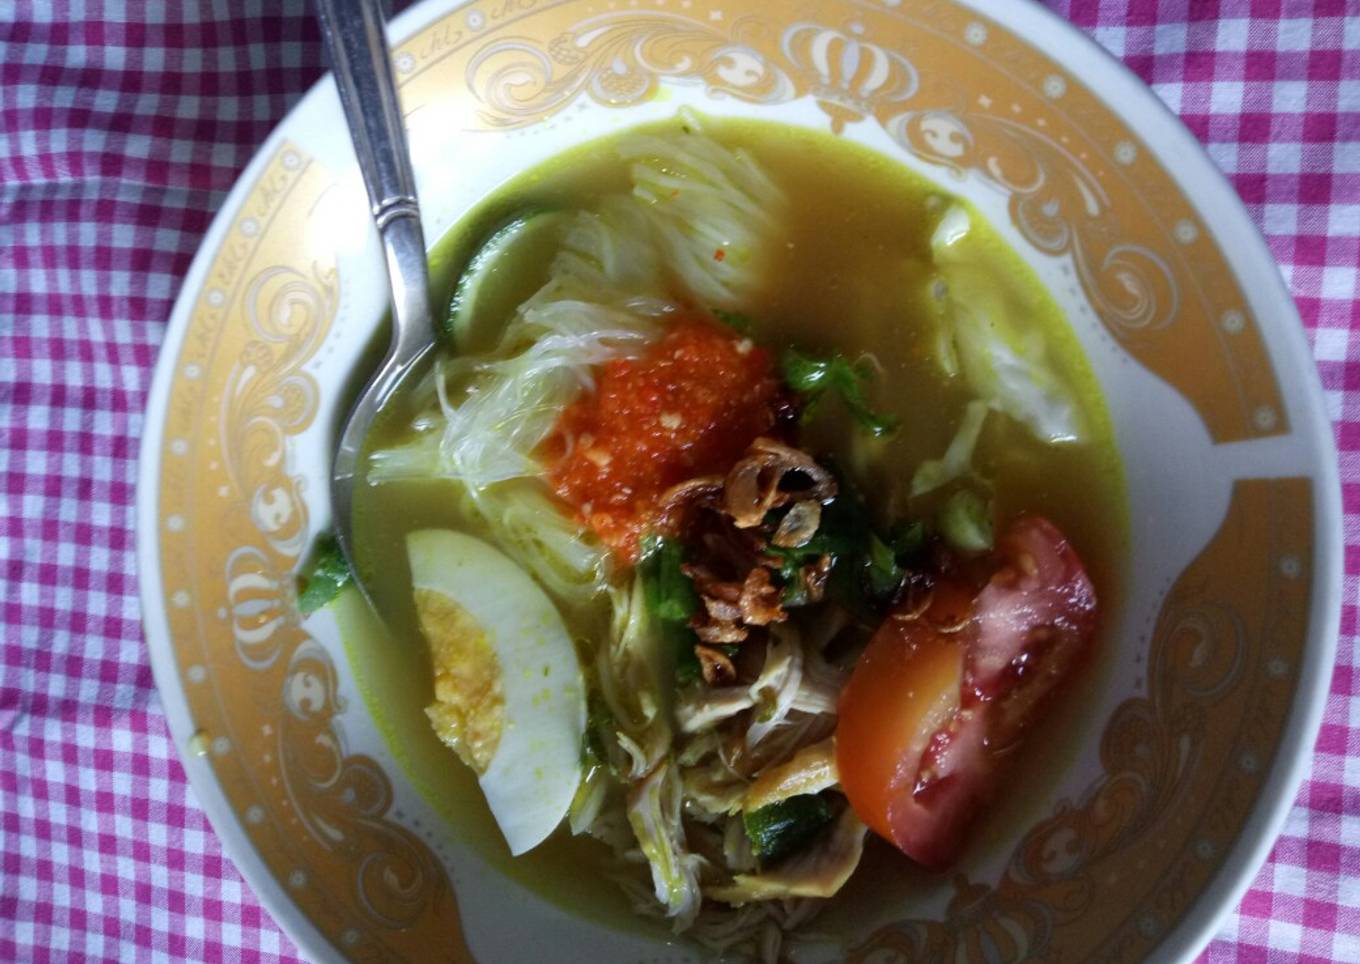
(698, 747)
(760, 729)
(812, 770)
(715, 787)
(777, 686)
(654, 813)
(820, 686)
(702, 708)
(818, 871)
(798, 730)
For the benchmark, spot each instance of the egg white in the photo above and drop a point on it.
(533, 775)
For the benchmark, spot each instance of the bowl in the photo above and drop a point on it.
(1187, 745)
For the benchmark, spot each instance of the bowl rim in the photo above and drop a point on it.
(1084, 58)
(1295, 753)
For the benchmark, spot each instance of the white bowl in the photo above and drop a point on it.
(1191, 746)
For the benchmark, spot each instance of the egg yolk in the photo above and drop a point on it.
(468, 712)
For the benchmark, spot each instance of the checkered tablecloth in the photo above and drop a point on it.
(123, 123)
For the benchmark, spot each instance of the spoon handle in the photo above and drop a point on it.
(357, 46)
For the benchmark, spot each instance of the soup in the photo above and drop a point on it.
(758, 507)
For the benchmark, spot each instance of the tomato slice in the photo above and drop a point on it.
(905, 687)
(930, 821)
(1039, 597)
(936, 697)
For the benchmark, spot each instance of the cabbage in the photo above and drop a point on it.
(609, 253)
(714, 211)
(966, 522)
(487, 414)
(691, 198)
(494, 410)
(1005, 362)
(497, 409)
(957, 460)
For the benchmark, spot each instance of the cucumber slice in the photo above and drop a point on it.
(504, 272)
(779, 829)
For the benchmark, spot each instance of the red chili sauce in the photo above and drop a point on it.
(689, 405)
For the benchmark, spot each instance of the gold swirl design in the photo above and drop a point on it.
(323, 807)
(268, 397)
(1059, 206)
(260, 604)
(980, 925)
(617, 60)
(849, 76)
(344, 798)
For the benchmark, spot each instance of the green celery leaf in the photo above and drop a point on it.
(328, 576)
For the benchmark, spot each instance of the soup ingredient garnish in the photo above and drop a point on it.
(966, 522)
(778, 829)
(957, 460)
(811, 770)
(862, 569)
(328, 576)
(509, 696)
(515, 257)
(945, 690)
(617, 424)
(488, 416)
(674, 602)
(778, 532)
(738, 321)
(654, 814)
(814, 377)
(689, 405)
(714, 212)
(1005, 361)
(817, 870)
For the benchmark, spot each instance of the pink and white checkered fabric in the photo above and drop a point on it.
(122, 126)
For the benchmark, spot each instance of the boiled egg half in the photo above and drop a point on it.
(508, 694)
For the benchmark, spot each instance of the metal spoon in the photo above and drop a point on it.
(357, 46)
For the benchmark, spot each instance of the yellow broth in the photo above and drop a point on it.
(852, 275)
